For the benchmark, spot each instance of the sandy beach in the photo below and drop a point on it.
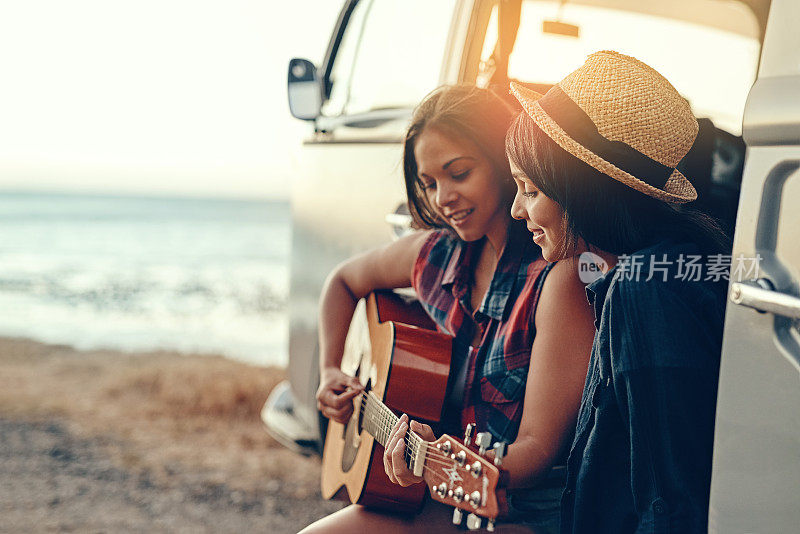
(103, 441)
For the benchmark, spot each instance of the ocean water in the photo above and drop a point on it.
(192, 275)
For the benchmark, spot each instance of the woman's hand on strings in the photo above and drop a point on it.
(336, 393)
(394, 456)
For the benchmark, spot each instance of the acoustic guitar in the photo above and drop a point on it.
(403, 362)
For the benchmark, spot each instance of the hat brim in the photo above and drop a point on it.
(524, 94)
(677, 189)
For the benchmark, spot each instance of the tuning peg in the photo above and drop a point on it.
(468, 434)
(475, 499)
(499, 452)
(484, 441)
(476, 468)
(458, 516)
(473, 522)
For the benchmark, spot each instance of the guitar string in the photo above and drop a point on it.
(433, 472)
(430, 454)
(435, 477)
(389, 420)
(412, 449)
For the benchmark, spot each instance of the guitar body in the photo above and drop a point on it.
(394, 349)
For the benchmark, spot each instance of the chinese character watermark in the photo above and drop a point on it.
(684, 267)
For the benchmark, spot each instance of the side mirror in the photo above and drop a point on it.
(305, 96)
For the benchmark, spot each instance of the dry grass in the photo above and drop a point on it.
(215, 389)
(160, 412)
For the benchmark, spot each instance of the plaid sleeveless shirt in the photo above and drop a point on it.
(497, 369)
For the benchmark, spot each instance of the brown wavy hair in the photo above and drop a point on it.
(465, 112)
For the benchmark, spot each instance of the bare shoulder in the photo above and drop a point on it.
(563, 295)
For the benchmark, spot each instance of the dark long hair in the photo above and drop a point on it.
(600, 210)
(465, 112)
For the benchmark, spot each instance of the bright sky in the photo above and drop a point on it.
(153, 96)
(189, 96)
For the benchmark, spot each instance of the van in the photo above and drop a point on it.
(385, 56)
(755, 483)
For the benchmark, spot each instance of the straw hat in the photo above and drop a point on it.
(624, 119)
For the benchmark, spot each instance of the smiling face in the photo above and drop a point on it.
(543, 216)
(462, 186)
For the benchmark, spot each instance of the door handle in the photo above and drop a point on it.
(765, 300)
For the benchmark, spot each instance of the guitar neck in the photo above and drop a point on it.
(379, 420)
(456, 475)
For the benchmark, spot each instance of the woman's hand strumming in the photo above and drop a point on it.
(336, 393)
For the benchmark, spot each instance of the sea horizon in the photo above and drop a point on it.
(132, 272)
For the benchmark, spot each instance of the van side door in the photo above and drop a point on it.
(756, 471)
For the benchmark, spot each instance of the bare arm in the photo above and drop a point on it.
(559, 359)
(387, 267)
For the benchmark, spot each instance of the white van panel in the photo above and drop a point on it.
(756, 473)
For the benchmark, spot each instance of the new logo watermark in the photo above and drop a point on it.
(591, 267)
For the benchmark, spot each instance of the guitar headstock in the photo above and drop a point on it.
(459, 476)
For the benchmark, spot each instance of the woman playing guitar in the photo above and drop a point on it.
(522, 328)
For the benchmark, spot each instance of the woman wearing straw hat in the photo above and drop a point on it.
(594, 161)
(521, 327)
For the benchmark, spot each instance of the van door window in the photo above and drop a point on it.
(708, 49)
(390, 56)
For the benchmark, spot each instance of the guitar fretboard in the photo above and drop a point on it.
(379, 421)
